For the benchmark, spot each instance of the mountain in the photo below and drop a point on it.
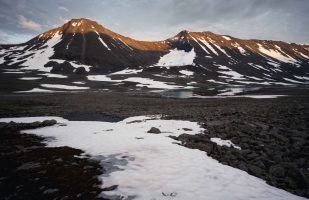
(84, 46)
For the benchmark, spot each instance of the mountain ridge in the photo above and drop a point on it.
(221, 58)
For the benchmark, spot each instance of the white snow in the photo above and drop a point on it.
(218, 47)
(254, 78)
(277, 55)
(258, 66)
(68, 44)
(101, 40)
(226, 37)
(13, 72)
(2, 59)
(30, 78)
(177, 58)
(213, 81)
(200, 45)
(258, 83)
(301, 54)
(293, 81)
(262, 96)
(79, 82)
(41, 57)
(209, 46)
(149, 83)
(127, 71)
(36, 90)
(239, 96)
(101, 78)
(231, 91)
(240, 49)
(186, 72)
(142, 82)
(275, 64)
(50, 75)
(125, 44)
(223, 67)
(227, 143)
(153, 166)
(231, 73)
(302, 78)
(65, 87)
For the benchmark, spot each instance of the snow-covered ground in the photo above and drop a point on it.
(152, 166)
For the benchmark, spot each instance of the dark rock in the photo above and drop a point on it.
(243, 166)
(51, 64)
(278, 158)
(300, 162)
(80, 70)
(277, 170)
(291, 184)
(65, 67)
(187, 129)
(255, 170)
(252, 155)
(260, 164)
(49, 122)
(154, 130)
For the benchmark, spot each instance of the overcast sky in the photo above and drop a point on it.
(286, 20)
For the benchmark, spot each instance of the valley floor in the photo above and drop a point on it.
(271, 135)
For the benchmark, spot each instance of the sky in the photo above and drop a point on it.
(286, 20)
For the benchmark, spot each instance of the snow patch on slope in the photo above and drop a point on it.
(277, 55)
(41, 57)
(209, 46)
(226, 37)
(177, 58)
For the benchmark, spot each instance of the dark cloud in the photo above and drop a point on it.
(158, 19)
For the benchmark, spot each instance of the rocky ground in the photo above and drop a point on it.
(273, 133)
(30, 170)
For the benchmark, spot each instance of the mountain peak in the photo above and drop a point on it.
(82, 25)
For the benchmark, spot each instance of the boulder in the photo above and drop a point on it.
(154, 130)
(51, 64)
(49, 122)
